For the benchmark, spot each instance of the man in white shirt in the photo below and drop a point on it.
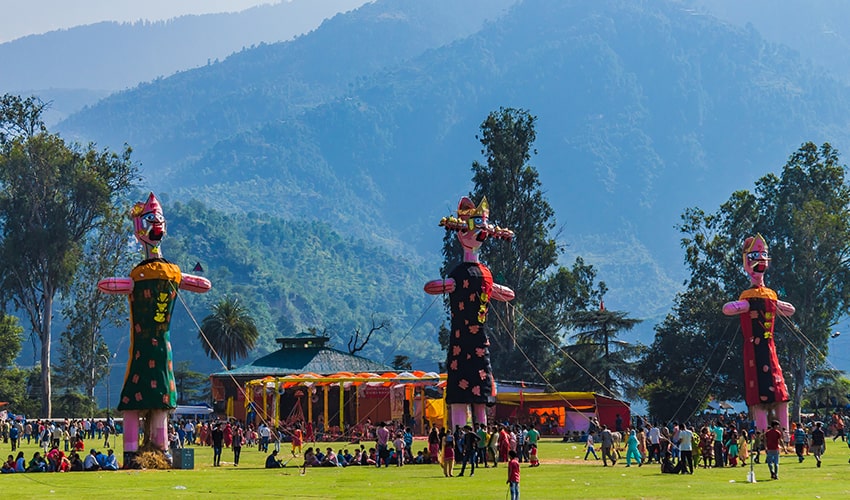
(189, 429)
(655, 444)
(686, 448)
(265, 434)
(90, 463)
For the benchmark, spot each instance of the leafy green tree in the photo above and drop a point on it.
(687, 360)
(401, 362)
(192, 386)
(52, 195)
(72, 404)
(230, 331)
(524, 333)
(16, 385)
(21, 388)
(829, 388)
(10, 340)
(804, 214)
(84, 355)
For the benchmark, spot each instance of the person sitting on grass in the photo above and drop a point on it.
(37, 464)
(330, 459)
(8, 466)
(76, 463)
(90, 463)
(52, 458)
(111, 462)
(272, 462)
(310, 458)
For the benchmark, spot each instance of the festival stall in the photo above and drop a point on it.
(344, 400)
(556, 413)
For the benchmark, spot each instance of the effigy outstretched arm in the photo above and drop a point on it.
(736, 307)
(785, 308)
(197, 284)
(502, 293)
(437, 287)
(116, 286)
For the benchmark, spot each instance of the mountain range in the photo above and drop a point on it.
(368, 123)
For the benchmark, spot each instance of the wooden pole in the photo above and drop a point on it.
(341, 407)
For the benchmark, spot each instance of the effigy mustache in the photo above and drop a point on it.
(491, 230)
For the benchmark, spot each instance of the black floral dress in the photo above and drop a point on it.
(469, 374)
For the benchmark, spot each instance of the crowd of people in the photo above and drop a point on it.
(468, 446)
(62, 444)
(722, 442)
(707, 442)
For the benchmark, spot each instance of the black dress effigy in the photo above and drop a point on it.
(469, 374)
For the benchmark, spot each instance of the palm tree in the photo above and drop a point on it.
(829, 388)
(230, 332)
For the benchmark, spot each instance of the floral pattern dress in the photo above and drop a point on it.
(469, 374)
(149, 380)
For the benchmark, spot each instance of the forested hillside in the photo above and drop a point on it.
(294, 275)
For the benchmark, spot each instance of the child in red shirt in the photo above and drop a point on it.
(513, 475)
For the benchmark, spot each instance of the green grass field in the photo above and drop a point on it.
(562, 475)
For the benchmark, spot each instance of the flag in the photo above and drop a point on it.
(198, 268)
(601, 305)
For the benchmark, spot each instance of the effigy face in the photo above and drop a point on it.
(149, 222)
(756, 256)
(475, 221)
(472, 225)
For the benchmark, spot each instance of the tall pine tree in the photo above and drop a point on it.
(525, 333)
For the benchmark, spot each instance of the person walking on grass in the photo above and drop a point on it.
(686, 449)
(217, 444)
(818, 442)
(448, 455)
(513, 475)
(590, 449)
(236, 446)
(469, 449)
(607, 445)
(632, 450)
(772, 440)
(801, 440)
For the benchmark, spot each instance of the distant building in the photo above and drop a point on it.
(302, 353)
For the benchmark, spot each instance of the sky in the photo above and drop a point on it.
(29, 17)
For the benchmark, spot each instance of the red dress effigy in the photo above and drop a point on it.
(762, 374)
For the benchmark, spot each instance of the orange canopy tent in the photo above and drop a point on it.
(389, 390)
(560, 412)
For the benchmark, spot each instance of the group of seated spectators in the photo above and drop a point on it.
(55, 460)
(314, 457)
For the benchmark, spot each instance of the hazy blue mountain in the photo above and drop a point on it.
(174, 119)
(818, 29)
(78, 66)
(644, 109)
